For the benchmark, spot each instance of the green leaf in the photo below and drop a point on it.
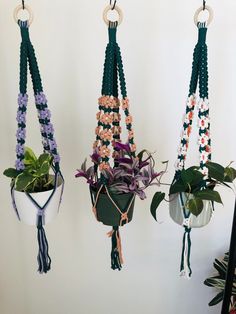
(140, 155)
(221, 267)
(209, 195)
(187, 176)
(230, 174)
(23, 181)
(157, 199)
(44, 169)
(177, 187)
(11, 173)
(44, 157)
(30, 157)
(216, 171)
(216, 282)
(198, 178)
(217, 299)
(195, 206)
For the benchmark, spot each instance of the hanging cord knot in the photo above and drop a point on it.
(24, 28)
(202, 33)
(124, 219)
(116, 250)
(112, 32)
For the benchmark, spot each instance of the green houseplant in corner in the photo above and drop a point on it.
(218, 282)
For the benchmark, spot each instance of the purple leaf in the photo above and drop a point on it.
(125, 161)
(120, 146)
(95, 157)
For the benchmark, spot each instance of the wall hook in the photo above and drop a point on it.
(204, 5)
(114, 5)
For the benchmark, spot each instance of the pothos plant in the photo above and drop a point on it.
(197, 188)
(130, 174)
(219, 281)
(35, 177)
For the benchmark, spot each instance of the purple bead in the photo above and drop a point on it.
(40, 98)
(52, 145)
(21, 117)
(20, 133)
(22, 100)
(19, 149)
(43, 114)
(56, 158)
(49, 128)
(19, 165)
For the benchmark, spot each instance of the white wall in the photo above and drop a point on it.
(157, 40)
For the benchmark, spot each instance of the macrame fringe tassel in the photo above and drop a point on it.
(44, 260)
(116, 250)
(185, 268)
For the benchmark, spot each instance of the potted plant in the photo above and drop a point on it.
(36, 193)
(35, 182)
(127, 179)
(118, 174)
(113, 189)
(196, 194)
(218, 282)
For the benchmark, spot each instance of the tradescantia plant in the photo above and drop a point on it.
(130, 174)
(35, 177)
(197, 188)
(218, 282)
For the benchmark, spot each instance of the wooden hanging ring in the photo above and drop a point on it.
(110, 8)
(211, 15)
(28, 9)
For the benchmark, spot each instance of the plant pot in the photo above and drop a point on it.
(177, 212)
(27, 210)
(107, 213)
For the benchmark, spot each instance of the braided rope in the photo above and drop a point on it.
(27, 54)
(108, 128)
(199, 73)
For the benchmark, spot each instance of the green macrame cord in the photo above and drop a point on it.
(108, 135)
(199, 78)
(27, 57)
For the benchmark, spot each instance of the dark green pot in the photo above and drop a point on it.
(107, 213)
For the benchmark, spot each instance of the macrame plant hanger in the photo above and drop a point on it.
(199, 78)
(28, 58)
(108, 130)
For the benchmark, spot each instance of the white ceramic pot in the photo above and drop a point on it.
(27, 210)
(177, 213)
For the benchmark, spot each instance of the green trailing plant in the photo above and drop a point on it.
(198, 189)
(219, 280)
(35, 176)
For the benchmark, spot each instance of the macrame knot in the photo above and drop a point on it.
(186, 224)
(40, 212)
(202, 33)
(112, 32)
(124, 219)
